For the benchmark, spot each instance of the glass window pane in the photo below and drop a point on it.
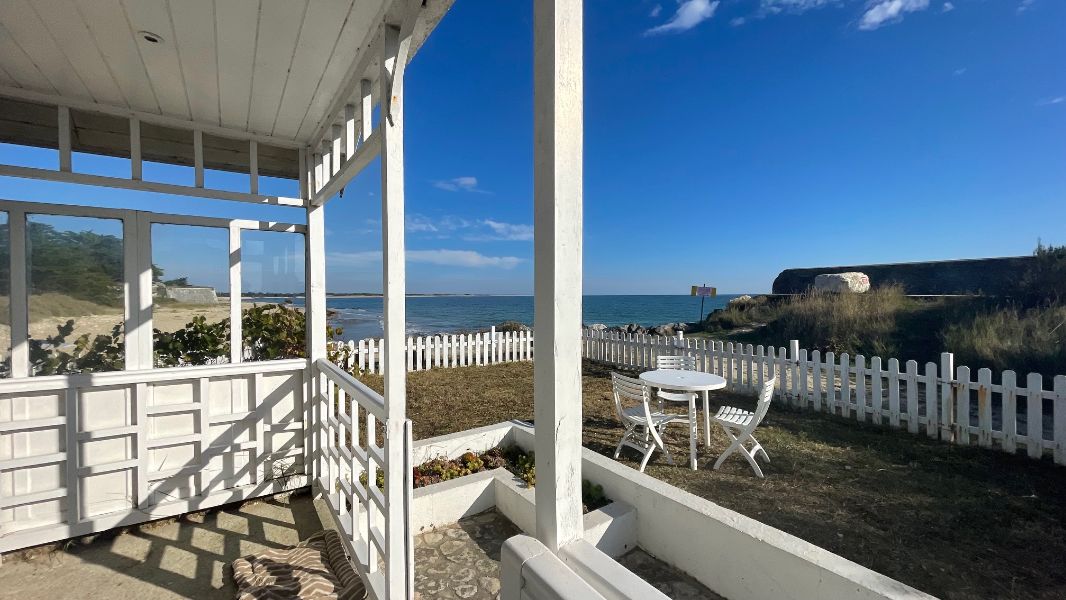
(272, 283)
(76, 294)
(190, 295)
(5, 297)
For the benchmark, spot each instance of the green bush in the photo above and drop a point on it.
(270, 332)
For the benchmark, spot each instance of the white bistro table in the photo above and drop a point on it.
(677, 380)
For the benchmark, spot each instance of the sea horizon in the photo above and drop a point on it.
(362, 316)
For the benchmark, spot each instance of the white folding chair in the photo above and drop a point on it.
(639, 418)
(739, 424)
(683, 363)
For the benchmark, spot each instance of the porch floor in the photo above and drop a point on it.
(175, 558)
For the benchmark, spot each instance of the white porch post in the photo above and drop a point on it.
(395, 47)
(315, 317)
(557, 182)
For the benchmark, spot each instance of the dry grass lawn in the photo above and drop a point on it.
(954, 522)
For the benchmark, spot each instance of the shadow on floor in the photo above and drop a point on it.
(187, 557)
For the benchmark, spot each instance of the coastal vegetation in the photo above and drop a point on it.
(269, 331)
(1026, 333)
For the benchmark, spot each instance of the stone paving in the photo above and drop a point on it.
(462, 560)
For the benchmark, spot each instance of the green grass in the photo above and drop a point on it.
(956, 522)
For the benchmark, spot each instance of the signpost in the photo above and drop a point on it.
(703, 292)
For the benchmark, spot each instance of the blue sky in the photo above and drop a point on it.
(725, 141)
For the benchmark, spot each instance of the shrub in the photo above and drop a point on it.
(1032, 340)
(851, 323)
(1045, 281)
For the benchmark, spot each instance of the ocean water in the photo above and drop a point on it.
(362, 317)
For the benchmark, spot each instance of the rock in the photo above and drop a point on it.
(842, 283)
(598, 327)
(739, 300)
(513, 326)
(632, 328)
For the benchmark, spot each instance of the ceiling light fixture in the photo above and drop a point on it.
(150, 37)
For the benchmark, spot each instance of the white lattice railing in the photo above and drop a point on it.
(954, 408)
(84, 453)
(440, 351)
(350, 452)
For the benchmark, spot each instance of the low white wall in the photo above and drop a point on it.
(733, 555)
(611, 529)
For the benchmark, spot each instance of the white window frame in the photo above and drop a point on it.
(137, 273)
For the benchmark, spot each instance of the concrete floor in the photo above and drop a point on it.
(190, 557)
(161, 561)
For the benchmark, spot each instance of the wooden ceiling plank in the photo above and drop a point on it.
(194, 28)
(279, 27)
(33, 37)
(79, 48)
(321, 29)
(161, 59)
(106, 21)
(356, 37)
(236, 57)
(19, 66)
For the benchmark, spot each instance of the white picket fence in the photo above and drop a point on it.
(439, 351)
(940, 400)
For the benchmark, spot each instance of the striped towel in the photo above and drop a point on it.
(314, 569)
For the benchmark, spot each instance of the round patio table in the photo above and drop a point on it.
(678, 380)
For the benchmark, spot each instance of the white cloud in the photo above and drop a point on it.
(737, 21)
(461, 258)
(959, 71)
(948, 7)
(1050, 101)
(1025, 5)
(655, 10)
(444, 258)
(792, 6)
(889, 11)
(459, 184)
(689, 14)
(509, 231)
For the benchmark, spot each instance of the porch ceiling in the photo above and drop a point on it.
(272, 70)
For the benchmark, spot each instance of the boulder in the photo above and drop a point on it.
(739, 300)
(842, 283)
(632, 328)
(598, 327)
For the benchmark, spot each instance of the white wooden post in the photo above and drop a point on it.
(315, 320)
(135, 149)
(19, 296)
(395, 49)
(557, 192)
(64, 138)
(1034, 413)
(947, 396)
(236, 343)
(1059, 425)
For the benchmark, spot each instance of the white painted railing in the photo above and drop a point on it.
(943, 401)
(350, 421)
(84, 453)
(440, 351)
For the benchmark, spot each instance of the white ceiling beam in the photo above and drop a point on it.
(144, 186)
